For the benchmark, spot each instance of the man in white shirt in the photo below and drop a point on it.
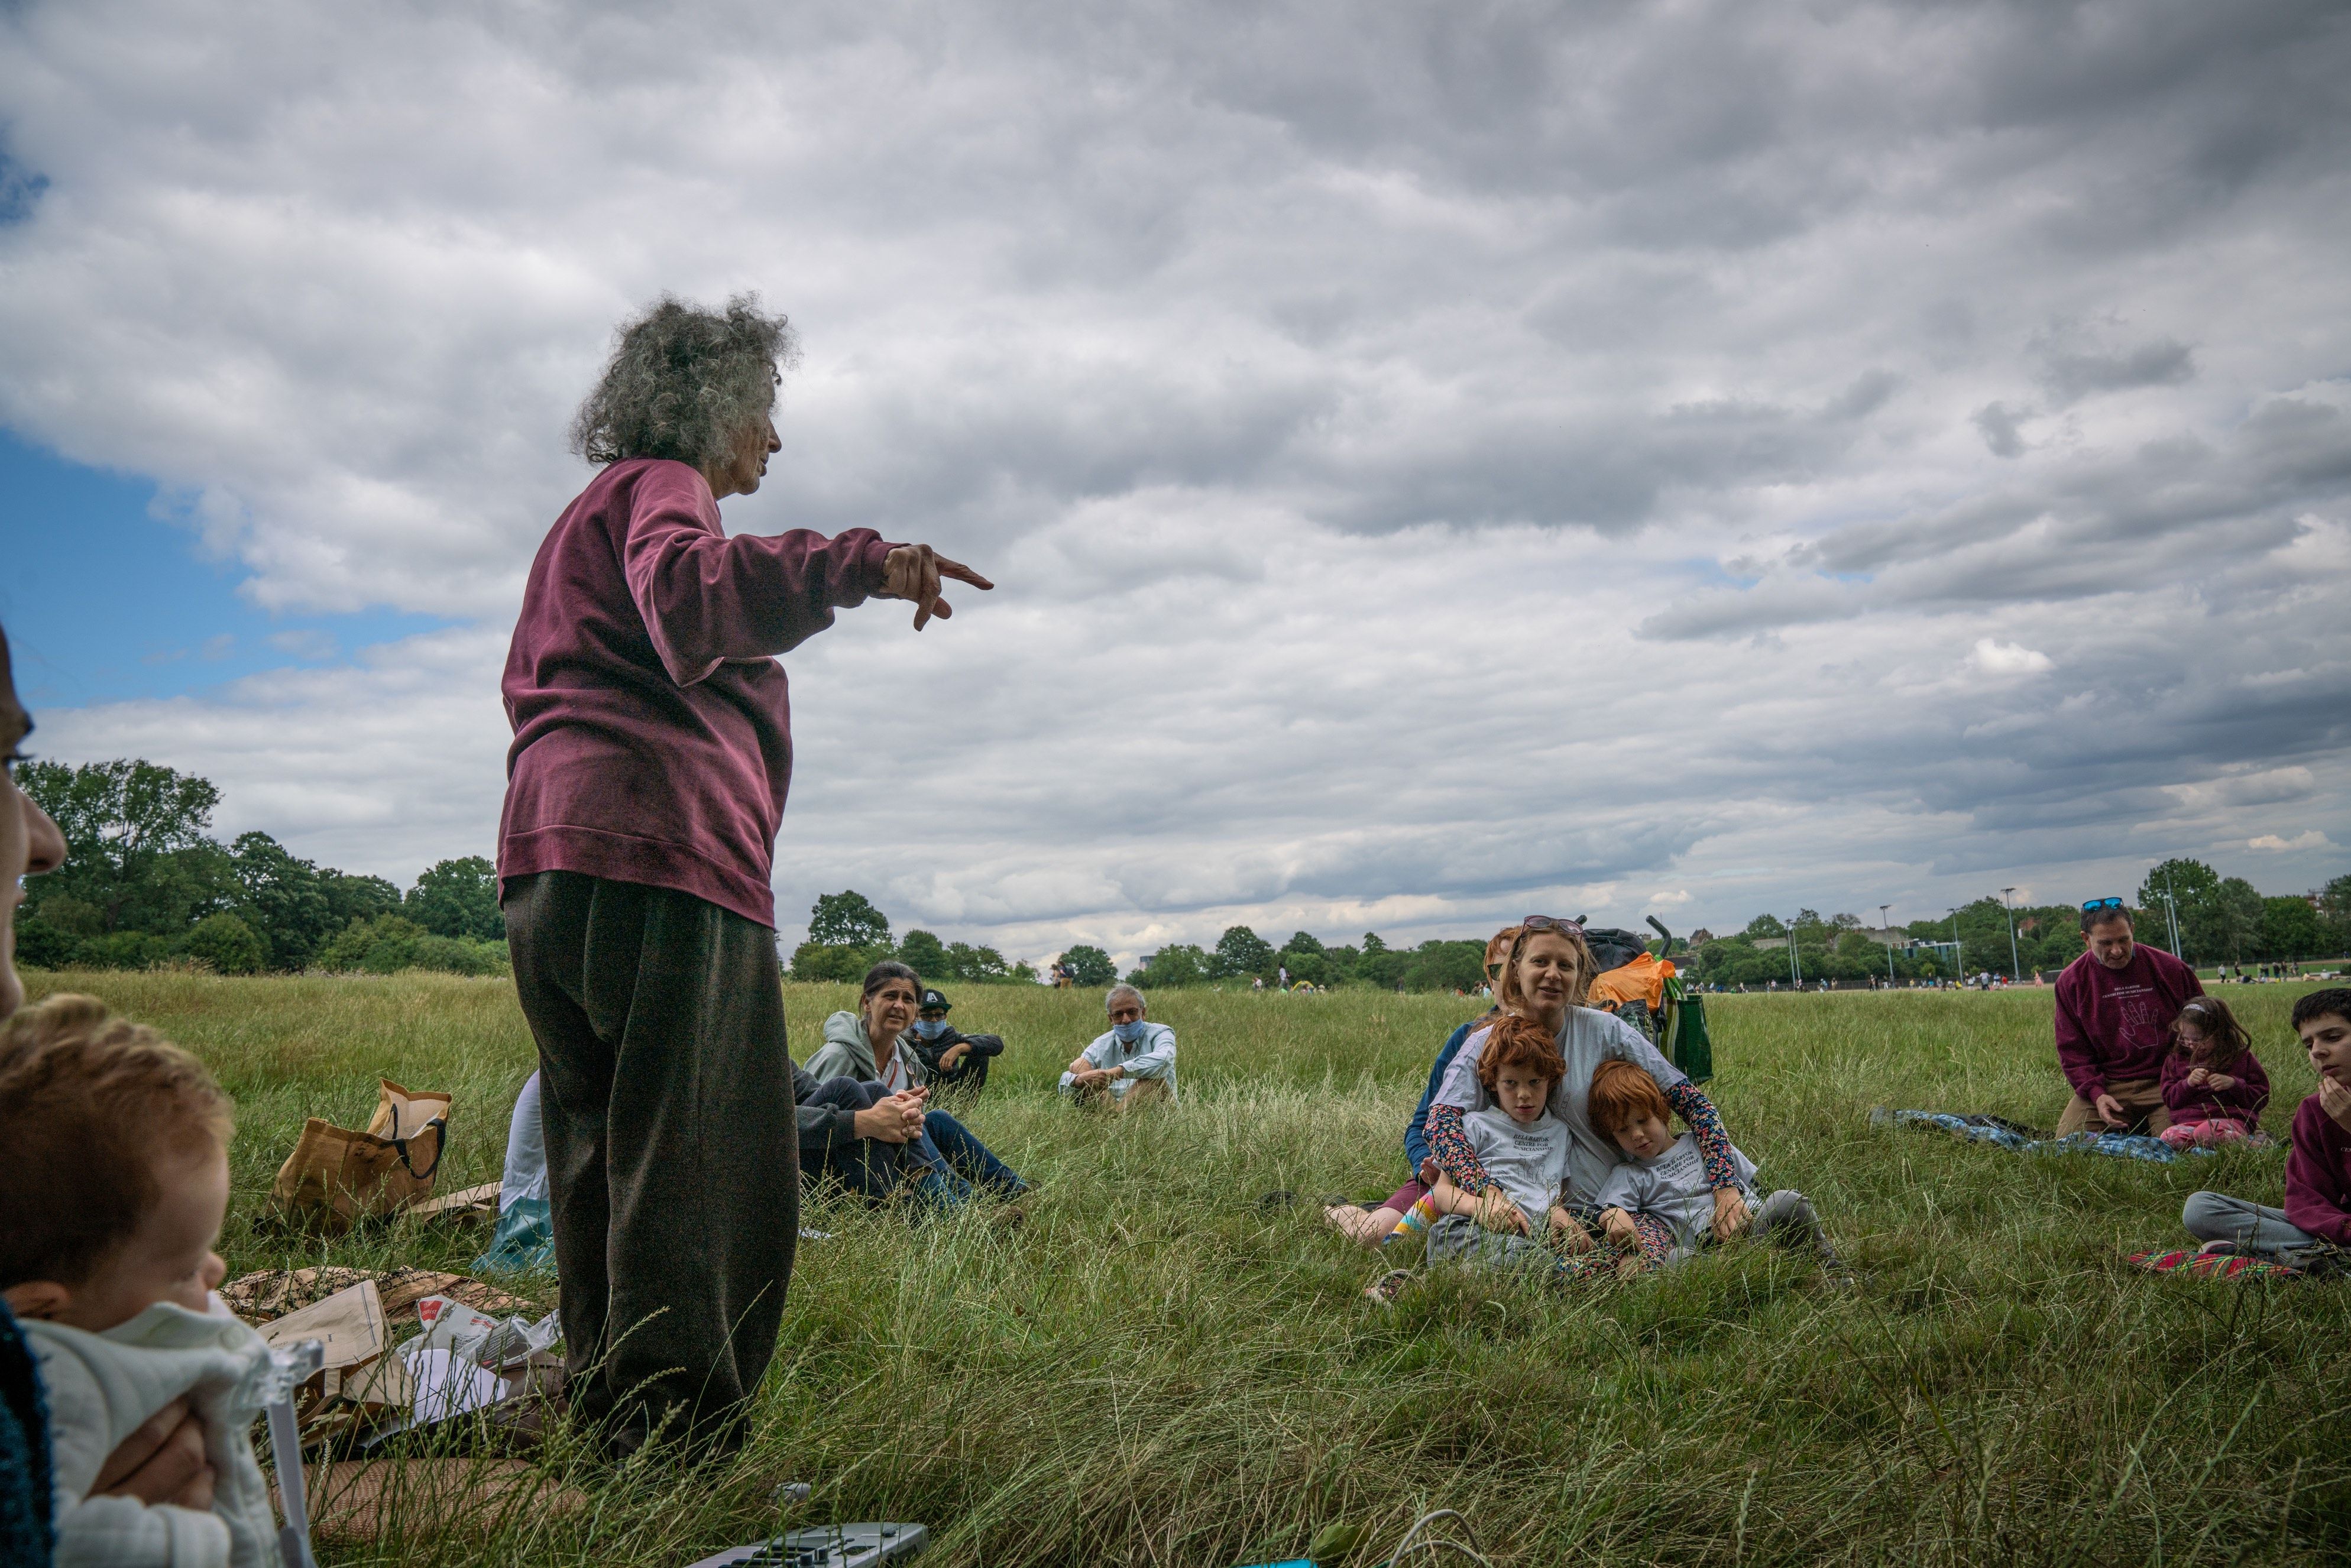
(1132, 1064)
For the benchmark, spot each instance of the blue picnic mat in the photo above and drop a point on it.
(2008, 1136)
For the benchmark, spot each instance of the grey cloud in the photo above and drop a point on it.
(1998, 422)
(1335, 394)
(2073, 365)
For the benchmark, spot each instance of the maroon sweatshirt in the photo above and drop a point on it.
(653, 726)
(2115, 1024)
(2318, 1174)
(2240, 1102)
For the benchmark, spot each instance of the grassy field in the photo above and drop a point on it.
(1157, 1369)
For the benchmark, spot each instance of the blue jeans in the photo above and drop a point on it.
(955, 1163)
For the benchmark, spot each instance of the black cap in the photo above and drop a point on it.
(933, 1002)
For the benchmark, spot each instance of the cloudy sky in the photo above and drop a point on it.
(1439, 461)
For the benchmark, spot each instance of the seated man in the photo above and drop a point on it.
(2318, 1169)
(1133, 1064)
(954, 1063)
(2115, 1007)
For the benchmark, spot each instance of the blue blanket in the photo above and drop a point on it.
(1992, 1130)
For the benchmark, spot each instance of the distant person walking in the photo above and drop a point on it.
(2116, 1004)
(652, 754)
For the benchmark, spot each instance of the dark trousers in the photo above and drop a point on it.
(866, 1167)
(671, 1147)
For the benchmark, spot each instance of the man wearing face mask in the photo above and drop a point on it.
(1133, 1064)
(954, 1063)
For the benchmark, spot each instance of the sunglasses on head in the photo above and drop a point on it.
(2102, 903)
(1550, 923)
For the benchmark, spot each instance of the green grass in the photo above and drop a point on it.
(1153, 1370)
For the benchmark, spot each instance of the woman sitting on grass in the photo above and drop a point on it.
(1544, 979)
(872, 1048)
(2212, 1085)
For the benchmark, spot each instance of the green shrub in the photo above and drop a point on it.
(225, 945)
(390, 943)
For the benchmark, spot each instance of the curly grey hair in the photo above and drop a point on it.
(683, 383)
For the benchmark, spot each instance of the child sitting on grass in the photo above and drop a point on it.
(1657, 1206)
(2212, 1086)
(118, 1182)
(2318, 1170)
(1520, 1220)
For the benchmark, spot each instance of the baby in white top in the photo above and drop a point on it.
(119, 1183)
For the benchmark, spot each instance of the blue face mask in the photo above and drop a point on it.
(1130, 1033)
(930, 1028)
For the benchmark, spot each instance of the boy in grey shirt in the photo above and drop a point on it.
(1657, 1206)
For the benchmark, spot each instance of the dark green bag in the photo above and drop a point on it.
(1683, 1038)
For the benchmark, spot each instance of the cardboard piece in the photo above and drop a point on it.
(471, 1206)
(361, 1501)
(348, 1324)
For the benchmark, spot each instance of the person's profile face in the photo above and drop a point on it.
(2327, 1038)
(2110, 943)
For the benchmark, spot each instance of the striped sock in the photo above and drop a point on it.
(1417, 1218)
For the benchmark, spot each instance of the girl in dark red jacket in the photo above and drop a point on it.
(2212, 1085)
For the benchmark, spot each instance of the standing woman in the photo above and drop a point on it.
(652, 753)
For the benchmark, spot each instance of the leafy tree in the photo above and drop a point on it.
(391, 943)
(227, 945)
(2237, 917)
(1241, 951)
(1845, 922)
(351, 897)
(458, 898)
(2196, 888)
(834, 961)
(1089, 966)
(1766, 925)
(123, 823)
(1442, 966)
(848, 920)
(925, 954)
(1372, 945)
(1177, 964)
(2291, 927)
(2335, 907)
(979, 964)
(283, 899)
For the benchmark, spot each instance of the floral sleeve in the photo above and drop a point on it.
(1450, 1147)
(1704, 1123)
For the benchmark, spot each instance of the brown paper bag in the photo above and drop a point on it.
(335, 1176)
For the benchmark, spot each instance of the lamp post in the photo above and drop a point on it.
(2015, 969)
(1795, 969)
(1888, 929)
(1959, 954)
(2171, 906)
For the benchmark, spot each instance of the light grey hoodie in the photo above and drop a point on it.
(848, 1053)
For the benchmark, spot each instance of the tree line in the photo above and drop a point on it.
(2221, 920)
(145, 884)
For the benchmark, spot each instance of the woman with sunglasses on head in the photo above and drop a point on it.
(1545, 977)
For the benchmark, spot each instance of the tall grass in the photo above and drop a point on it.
(1159, 1369)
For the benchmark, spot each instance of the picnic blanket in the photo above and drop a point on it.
(2213, 1265)
(2024, 1140)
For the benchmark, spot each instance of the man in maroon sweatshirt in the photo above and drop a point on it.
(652, 749)
(2115, 1007)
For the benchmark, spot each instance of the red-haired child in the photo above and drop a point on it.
(1657, 1206)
